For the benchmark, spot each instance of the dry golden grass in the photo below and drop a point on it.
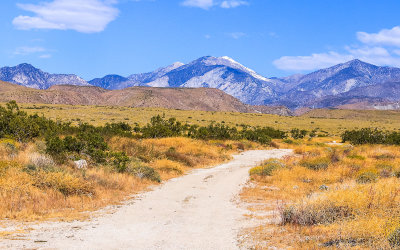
(63, 192)
(353, 203)
(333, 122)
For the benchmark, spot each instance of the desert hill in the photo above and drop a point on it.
(206, 99)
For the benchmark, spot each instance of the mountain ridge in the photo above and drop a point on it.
(27, 75)
(205, 99)
(322, 88)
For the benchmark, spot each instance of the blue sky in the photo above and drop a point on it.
(92, 38)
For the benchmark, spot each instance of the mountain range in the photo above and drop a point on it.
(205, 99)
(354, 84)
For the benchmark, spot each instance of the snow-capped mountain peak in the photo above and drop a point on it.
(27, 75)
(235, 64)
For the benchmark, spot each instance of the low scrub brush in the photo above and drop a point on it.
(267, 168)
(319, 163)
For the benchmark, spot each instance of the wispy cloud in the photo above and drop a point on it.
(207, 4)
(204, 4)
(26, 50)
(89, 16)
(233, 4)
(236, 35)
(376, 48)
(38, 51)
(46, 56)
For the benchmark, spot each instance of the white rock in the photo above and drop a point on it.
(81, 164)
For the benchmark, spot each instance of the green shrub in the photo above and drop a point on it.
(394, 238)
(320, 163)
(298, 134)
(144, 172)
(397, 173)
(172, 155)
(288, 141)
(72, 144)
(160, 128)
(267, 168)
(356, 157)
(385, 157)
(364, 136)
(371, 136)
(314, 214)
(119, 160)
(367, 177)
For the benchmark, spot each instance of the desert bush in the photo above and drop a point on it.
(117, 129)
(371, 136)
(364, 136)
(63, 182)
(161, 128)
(357, 157)
(314, 214)
(119, 160)
(168, 166)
(56, 148)
(144, 172)
(298, 134)
(386, 156)
(267, 168)
(173, 155)
(40, 161)
(394, 238)
(72, 144)
(288, 141)
(17, 124)
(397, 173)
(367, 176)
(319, 163)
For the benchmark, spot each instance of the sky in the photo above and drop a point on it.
(93, 38)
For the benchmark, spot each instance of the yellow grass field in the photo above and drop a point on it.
(327, 196)
(332, 121)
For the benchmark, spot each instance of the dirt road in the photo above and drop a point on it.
(196, 211)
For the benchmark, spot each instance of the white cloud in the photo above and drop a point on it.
(314, 61)
(207, 4)
(378, 55)
(87, 16)
(383, 37)
(233, 4)
(204, 4)
(25, 50)
(45, 56)
(237, 35)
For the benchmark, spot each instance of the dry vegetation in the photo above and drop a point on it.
(33, 187)
(328, 196)
(333, 122)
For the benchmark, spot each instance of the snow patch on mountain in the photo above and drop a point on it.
(29, 76)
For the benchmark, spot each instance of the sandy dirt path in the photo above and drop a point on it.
(195, 211)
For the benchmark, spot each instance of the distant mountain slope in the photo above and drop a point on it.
(367, 97)
(210, 72)
(206, 99)
(336, 80)
(353, 83)
(29, 76)
(323, 88)
(109, 81)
